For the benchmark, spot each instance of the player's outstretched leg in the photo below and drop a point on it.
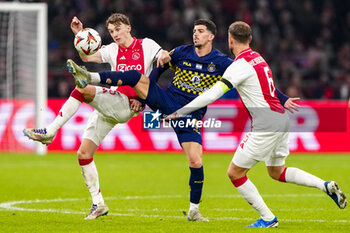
(113, 78)
(69, 108)
(300, 177)
(333, 190)
(81, 75)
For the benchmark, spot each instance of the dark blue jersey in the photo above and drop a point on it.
(194, 74)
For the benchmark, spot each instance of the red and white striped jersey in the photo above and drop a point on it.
(252, 77)
(139, 56)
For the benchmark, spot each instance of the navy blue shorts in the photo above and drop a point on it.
(167, 102)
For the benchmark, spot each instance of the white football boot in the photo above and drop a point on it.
(39, 135)
(82, 77)
(194, 215)
(96, 211)
(333, 190)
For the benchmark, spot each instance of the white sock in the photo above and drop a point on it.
(297, 176)
(251, 194)
(95, 77)
(90, 176)
(194, 206)
(69, 108)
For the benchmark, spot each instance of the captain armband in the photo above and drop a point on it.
(225, 85)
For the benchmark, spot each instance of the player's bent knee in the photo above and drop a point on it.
(275, 172)
(231, 175)
(274, 176)
(84, 154)
(89, 92)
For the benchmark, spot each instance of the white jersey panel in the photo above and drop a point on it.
(150, 52)
(109, 54)
(245, 79)
(150, 48)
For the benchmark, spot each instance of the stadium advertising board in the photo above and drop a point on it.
(319, 126)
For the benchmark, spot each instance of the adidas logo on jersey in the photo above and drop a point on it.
(122, 58)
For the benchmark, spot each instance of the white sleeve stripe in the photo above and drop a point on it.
(203, 100)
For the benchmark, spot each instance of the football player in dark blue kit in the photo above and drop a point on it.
(197, 68)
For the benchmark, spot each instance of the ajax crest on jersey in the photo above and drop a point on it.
(87, 41)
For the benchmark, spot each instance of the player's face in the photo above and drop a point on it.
(202, 36)
(120, 33)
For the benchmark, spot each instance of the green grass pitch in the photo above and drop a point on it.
(149, 193)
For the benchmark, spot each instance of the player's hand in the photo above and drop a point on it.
(76, 25)
(291, 106)
(172, 116)
(163, 58)
(136, 105)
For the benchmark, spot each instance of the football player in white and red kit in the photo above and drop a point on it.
(112, 106)
(268, 139)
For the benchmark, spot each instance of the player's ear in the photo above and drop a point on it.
(211, 37)
(230, 39)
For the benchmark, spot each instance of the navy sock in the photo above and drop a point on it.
(129, 77)
(196, 184)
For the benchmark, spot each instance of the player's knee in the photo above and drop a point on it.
(84, 154)
(275, 173)
(232, 175)
(274, 176)
(194, 159)
(88, 92)
(234, 172)
(195, 162)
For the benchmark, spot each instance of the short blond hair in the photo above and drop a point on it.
(118, 19)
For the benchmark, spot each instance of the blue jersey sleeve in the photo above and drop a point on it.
(157, 72)
(175, 55)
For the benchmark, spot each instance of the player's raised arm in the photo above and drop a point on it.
(76, 25)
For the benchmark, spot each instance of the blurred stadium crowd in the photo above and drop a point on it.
(306, 43)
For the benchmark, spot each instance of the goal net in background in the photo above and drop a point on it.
(23, 73)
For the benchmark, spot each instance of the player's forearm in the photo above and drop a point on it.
(203, 100)
(97, 57)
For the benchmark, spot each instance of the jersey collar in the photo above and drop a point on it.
(203, 57)
(243, 52)
(130, 47)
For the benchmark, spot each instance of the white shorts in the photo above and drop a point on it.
(111, 108)
(272, 148)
